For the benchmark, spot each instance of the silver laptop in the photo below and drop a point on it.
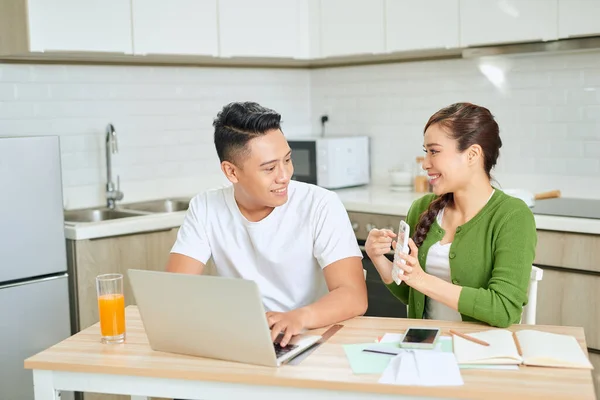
(209, 316)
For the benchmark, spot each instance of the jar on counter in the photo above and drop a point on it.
(421, 181)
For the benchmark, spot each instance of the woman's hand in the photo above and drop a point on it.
(377, 245)
(379, 242)
(413, 273)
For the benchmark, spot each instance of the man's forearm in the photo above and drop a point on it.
(338, 305)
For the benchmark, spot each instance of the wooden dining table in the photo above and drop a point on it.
(82, 363)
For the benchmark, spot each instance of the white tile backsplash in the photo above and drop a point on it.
(548, 108)
(592, 150)
(7, 92)
(163, 117)
(19, 72)
(31, 91)
(591, 76)
(10, 109)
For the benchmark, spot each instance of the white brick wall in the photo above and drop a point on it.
(548, 110)
(163, 117)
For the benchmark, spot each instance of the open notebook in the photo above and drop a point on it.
(538, 348)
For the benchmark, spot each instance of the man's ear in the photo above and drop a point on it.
(230, 171)
(474, 154)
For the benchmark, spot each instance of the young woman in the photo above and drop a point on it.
(473, 246)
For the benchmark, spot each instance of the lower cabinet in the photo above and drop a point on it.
(571, 299)
(569, 292)
(92, 257)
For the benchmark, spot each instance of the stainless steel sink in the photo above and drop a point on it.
(98, 214)
(159, 206)
(126, 210)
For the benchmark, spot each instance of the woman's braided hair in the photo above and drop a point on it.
(429, 216)
(468, 124)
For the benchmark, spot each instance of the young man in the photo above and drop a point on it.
(293, 239)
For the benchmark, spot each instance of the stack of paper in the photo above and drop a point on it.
(424, 368)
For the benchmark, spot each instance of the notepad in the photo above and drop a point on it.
(539, 349)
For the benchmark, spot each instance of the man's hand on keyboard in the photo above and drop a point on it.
(289, 323)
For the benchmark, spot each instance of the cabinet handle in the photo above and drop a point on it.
(35, 280)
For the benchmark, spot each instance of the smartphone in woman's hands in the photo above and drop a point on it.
(401, 246)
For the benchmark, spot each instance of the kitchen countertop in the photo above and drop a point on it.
(368, 199)
(124, 226)
(382, 200)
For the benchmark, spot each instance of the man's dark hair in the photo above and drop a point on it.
(237, 123)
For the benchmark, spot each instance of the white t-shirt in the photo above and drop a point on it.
(438, 264)
(283, 253)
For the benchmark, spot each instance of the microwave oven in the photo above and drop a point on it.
(331, 162)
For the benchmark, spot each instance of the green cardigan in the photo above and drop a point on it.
(490, 257)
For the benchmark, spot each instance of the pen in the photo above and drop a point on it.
(380, 352)
(518, 344)
(471, 338)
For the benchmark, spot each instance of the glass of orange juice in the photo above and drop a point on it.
(111, 307)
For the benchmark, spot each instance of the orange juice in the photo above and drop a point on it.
(112, 314)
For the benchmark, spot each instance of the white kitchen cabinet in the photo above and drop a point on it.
(578, 18)
(77, 25)
(484, 22)
(351, 27)
(175, 27)
(426, 24)
(264, 28)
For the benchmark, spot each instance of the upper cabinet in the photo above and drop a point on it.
(423, 24)
(485, 22)
(279, 32)
(578, 18)
(175, 27)
(76, 25)
(264, 28)
(349, 27)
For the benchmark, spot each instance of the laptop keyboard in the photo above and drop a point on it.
(280, 351)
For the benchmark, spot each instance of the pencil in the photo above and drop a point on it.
(518, 344)
(471, 338)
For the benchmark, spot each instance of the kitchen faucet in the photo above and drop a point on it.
(112, 194)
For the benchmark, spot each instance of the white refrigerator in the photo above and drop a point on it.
(34, 294)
